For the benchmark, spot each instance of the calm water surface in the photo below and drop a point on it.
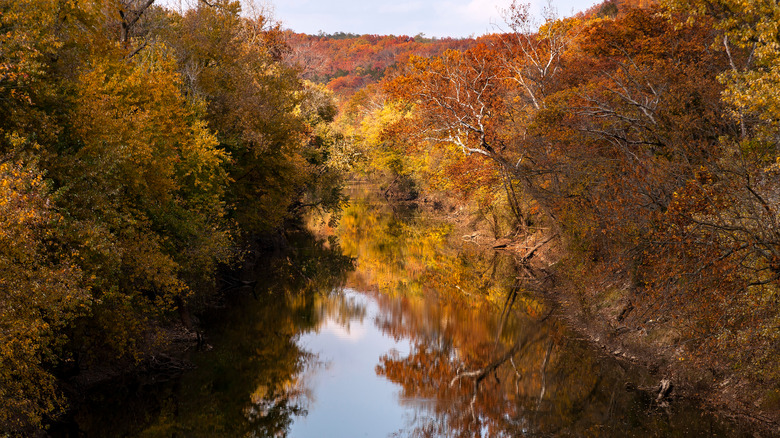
(392, 329)
(346, 354)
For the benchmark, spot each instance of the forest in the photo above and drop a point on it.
(141, 150)
(144, 153)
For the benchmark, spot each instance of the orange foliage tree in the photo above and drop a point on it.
(625, 132)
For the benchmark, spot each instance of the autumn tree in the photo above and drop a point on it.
(459, 98)
(347, 62)
(634, 137)
(42, 288)
(157, 224)
(720, 225)
(748, 40)
(136, 145)
(253, 101)
(654, 168)
(482, 100)
(531, 53)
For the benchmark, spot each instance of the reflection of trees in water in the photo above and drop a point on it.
(528, 384)
(533, 382)
(472, 365)
(399, 254)
(472, 383)
(253, 383)
(393, 249)
(409, 258)
(342, 309)
(482, 359)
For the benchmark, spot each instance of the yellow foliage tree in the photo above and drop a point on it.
(41, 290)
(157, 219)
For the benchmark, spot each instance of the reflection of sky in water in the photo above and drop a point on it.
(348, 398)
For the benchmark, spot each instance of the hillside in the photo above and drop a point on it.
(347, 62)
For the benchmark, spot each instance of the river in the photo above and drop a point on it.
(387, 326)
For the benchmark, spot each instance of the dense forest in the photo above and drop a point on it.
(641, 139)
(347, 62)
(143, 150)
(140, 150)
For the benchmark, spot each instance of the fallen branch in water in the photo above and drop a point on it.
(482, 373)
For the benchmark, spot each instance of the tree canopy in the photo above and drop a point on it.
(643, 138)
(140, 149)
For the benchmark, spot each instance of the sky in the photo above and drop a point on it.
(433, 18)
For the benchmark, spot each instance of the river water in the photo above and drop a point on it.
(390, 327)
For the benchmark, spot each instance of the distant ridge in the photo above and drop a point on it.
(346, 62)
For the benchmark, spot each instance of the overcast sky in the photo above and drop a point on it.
(440, 18)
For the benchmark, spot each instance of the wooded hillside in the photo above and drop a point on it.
(644, 139)
(347, 62)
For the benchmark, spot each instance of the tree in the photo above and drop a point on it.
(750, 41)
(42, 288)
(154, 231)
(252, 99)
(134, 142)
(458, 97)
(533, 57)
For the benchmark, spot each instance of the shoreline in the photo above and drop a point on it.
(582, 309)
(591, 311)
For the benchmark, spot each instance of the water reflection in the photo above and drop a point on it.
(412, 366)
(349, 399)
(484, 358)
(399, 331)
(252, 383)
(533, 383)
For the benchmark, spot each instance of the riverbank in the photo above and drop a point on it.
(592, 312)
(555, 384)
(596, 303)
